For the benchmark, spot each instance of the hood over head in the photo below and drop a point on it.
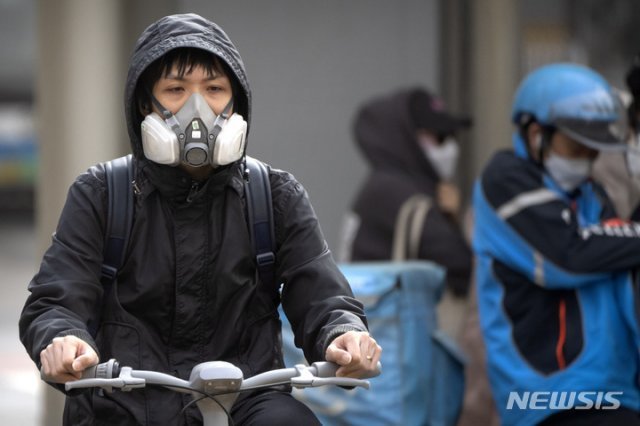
(385, 133)
(386, 128)
(173, 32)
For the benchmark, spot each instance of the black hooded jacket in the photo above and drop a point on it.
(385, 134)
(188, 291)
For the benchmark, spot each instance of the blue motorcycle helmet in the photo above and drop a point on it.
(575, 100)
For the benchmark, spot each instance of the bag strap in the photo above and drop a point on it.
(260, 211)
(409, 226)
(119, 178)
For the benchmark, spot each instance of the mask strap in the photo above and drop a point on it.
(224, 115)
(545, 136)
(545, 142)
(172, 121)
(169, 118)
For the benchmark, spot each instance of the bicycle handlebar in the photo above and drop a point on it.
(214, 385)
(215, 377)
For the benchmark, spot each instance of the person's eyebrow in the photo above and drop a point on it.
(175, 76)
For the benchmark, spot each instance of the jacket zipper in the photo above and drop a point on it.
(562, 334)
(192, 192)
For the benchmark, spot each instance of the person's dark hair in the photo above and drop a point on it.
(185, 60)
(633, 84)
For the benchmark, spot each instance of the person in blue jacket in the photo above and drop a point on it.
(557, 301)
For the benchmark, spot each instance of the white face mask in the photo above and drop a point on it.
(443, 157)
(633, 156)
(568, 173)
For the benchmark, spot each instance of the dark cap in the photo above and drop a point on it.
(428, 112)
(633, 77)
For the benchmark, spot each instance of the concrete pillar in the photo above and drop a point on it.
(495, 75)
(78, 110)
(79, 90)
(82, 55)
(455, 76)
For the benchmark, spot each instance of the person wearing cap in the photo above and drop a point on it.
(632, 80)
(633, 154)
(408, 139)
(619, 172)
(556, 299)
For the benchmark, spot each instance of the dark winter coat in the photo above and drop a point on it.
(386, 137)
(188, 291)
(557, 301)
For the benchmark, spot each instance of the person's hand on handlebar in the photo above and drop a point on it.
(65, 358)
(357, 353)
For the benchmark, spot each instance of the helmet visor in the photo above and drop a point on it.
(597, 120)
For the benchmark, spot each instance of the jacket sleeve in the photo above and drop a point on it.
(316, 296)
(443, 242)
(65, 293)
(523, 223)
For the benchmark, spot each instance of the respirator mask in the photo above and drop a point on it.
(194, 136)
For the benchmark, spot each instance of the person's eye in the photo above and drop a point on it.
(214, 89)
(175, 89)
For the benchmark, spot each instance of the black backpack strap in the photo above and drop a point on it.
(119, 178)
(260, 211)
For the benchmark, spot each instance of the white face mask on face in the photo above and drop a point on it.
(632, 156)
(443, 157)
(568, 173)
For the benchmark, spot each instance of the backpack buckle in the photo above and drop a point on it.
(265, 258)
(109, 272)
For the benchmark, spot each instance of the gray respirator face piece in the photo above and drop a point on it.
(194, 136)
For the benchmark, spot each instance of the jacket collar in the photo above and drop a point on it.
(177, 185)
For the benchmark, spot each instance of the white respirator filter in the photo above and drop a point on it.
(159, 142)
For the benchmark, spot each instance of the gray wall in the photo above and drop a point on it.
(310, 65)
(17, 49)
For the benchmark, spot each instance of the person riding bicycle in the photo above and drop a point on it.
(556, 299)
(189, 291)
